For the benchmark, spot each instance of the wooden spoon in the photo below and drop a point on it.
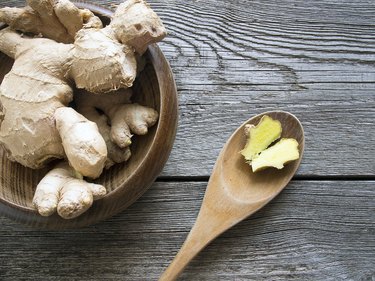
(234, 192)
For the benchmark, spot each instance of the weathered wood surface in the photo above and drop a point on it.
(234, 59)
(314, 230)
(231, 60)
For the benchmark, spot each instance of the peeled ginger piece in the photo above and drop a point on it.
(257, 152)
(276, 156)
(261, 136)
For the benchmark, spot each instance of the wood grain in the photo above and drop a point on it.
(316, 60)
(232, 60)
(243, 58)
(314, 230)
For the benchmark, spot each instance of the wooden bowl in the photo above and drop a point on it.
(155, 87)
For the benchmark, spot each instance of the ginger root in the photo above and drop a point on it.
(276, 156)
(117, 120)
(60, 190)
(262, 136)
(103, 59)
(58, 20)
(40, 80)
(83, 144)
(36, 124)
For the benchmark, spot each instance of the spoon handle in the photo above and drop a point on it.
(191, 247)
(202, 233)
(210, 223)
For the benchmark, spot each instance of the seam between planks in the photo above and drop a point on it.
(295, 178)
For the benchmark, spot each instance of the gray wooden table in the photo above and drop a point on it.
(232, 60)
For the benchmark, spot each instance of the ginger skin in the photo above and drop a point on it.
(30, 98)
(36, 126)
(103, 59)
(126, 118)
(60, 190)
(58, 20)
(70, 124)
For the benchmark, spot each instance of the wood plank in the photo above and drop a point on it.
(316, 60)
(339, 129)
(314, 230)
(243, 58)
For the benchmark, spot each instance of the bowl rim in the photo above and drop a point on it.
(168, 96)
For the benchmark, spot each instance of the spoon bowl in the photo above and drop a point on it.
(239, 180)
(234, 192)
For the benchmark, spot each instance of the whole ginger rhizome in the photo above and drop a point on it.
(75, 50)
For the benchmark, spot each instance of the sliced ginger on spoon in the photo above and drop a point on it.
(257, 151)
(261, 136)
(276, 156)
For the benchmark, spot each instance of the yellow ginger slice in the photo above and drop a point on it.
(261, 136)
(276, 156)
